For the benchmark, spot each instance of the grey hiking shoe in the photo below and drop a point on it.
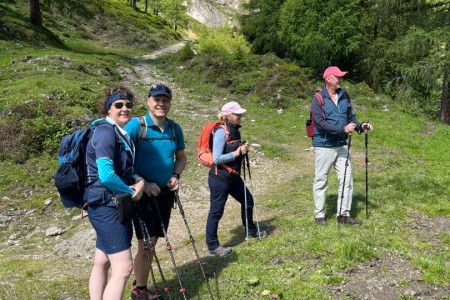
(348, 220)
(220, 251)
(321, 221)
(262, 234)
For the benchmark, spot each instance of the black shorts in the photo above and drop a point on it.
(147, 211)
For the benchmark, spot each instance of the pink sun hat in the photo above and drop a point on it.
(232, 108)
(333, 71)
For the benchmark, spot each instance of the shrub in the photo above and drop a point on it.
(29, 129)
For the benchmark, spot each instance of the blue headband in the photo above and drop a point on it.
(116, 96)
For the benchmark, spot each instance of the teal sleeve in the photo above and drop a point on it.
(133, 129)
(109, 178)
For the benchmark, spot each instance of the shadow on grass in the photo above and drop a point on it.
(239, 232)
(191, 275)
(195, 284)
(358, 206)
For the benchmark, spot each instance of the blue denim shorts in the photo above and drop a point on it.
(112, 236)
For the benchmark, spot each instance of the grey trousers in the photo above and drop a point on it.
(325, 158)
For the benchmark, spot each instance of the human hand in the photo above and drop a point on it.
(151, 189)
(350, 128)
(138, 189)
(366, 126)
(174, 183)
(242, 150)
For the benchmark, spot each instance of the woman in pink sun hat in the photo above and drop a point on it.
(224, 178)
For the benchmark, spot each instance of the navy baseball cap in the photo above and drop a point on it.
(160, 89)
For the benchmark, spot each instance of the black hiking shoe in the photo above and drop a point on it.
(137, 294)
(348, 220)
(321, 221)
(220, 251)
(262, 234)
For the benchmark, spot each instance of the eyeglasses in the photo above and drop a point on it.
(119, 105)
(237, 115)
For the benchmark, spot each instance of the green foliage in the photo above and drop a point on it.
(29, 129)
(263, 38)
(186, 53)
(411, 68)
(324, 35)
(175, 11)
(272, 81)
(222, 41)
(398, 47)
(53, 75)
(282, 85)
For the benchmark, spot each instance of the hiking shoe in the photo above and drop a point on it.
(137, 294)
(348, 220)
(321, 221)
(262, 234)
(220, 251)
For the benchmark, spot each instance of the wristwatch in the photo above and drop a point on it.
(176, 175)
(137, 178)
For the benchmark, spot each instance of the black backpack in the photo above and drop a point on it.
(70, 177)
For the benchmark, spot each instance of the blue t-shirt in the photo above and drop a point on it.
(155, 159)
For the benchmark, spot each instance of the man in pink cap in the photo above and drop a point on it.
(334, 120)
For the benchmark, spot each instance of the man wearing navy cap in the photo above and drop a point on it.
(334, 120)
(160, 159)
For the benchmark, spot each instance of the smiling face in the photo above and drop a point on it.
(159, 106)
(121, 112)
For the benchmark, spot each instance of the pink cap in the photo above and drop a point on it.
(232, 108)
(333, 71)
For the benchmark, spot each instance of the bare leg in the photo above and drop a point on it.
(99, 275)
(142, 263)
(121, 267)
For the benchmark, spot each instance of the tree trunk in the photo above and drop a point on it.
(146, 6)
(445, 101)
(35, 13)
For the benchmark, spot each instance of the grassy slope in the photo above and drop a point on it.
(408, 176)
(408, 171)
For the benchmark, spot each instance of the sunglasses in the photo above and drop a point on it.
(119, 105)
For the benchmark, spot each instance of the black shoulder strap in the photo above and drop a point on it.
(142, 130)
(145, 138)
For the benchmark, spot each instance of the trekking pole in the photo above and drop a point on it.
(169, 247)
(245, 205)
(253, 194)
(217, 285)
(148, 245)
(367, 175)
(191, 238)
(345, 175)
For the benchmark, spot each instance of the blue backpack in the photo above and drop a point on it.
(70, 177)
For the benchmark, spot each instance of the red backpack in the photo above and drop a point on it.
(204, 145)
(310, 123)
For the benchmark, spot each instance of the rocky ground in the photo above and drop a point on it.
(387, 277)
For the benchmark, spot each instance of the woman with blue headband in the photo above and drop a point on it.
(109, 162)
